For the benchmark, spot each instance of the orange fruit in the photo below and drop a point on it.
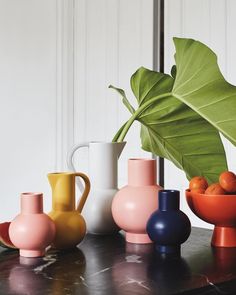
(228, 181)
(198, 182)
(198, 191)
(215, 189)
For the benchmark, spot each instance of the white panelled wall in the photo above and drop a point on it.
(112, 39)
(213, 23)
(58, 58)
(27, 100)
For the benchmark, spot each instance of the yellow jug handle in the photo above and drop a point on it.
(86, 190)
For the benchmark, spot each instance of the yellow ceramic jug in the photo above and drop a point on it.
(70, 225)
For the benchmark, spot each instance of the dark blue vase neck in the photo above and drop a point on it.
(168, 200)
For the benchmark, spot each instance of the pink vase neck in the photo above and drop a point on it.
(141, 172)
(31, 203)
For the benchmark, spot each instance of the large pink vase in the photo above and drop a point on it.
(32, 230)
(134, 203)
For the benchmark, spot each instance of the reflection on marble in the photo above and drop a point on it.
(107, 265)
(21, 279)
(56, 273)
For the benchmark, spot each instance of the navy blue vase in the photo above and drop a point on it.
(168, 227)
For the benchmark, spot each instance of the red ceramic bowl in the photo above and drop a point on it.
(219, 210)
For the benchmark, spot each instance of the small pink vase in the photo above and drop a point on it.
(135, 202)
(32, 230)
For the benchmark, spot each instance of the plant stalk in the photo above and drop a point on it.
(115, 138)
(139, 111)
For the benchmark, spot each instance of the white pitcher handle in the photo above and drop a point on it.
(70, 161)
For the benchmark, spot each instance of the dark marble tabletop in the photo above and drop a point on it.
(106, 265)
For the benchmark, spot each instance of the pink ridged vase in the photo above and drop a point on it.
(135, 202)
(32, 231)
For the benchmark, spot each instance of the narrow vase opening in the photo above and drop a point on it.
(168, 200)
(141, 172)
(31, 203)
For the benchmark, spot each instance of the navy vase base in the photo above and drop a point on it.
(169, 249)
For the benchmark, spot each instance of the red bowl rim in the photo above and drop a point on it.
(210, 196)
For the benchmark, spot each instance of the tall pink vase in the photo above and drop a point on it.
(134, 203)
(32, 230)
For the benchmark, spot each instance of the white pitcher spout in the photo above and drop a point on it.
(119, 147)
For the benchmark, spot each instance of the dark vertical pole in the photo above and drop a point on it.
(158, 57)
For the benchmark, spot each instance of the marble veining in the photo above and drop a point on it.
(133, 281)
(100, 271)
(108, 265)
(50, 259)
(217, 289)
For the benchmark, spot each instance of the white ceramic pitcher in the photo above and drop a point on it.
(103, 162)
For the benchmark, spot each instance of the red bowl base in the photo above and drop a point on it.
(224, 237)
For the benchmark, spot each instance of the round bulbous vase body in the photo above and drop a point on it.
(70, 228)
(168, 227)
(134, 203)
(32, 230)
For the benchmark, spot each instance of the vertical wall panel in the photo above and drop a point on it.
(173, 28)
(58, 58)
(27, 99)
(96, 69)
(213, 23)
(196, 19)
(80, 68)
(112, 39)
(64, 80)
(135, 50)
(218, 34)
(111, 67)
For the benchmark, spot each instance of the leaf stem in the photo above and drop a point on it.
(115, 138)
(142, 108)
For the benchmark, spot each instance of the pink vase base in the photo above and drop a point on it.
(32, 253)
(137, 238)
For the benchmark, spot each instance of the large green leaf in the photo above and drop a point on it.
(174, 131)
(124, 100)
(200, 84)
(182, 115)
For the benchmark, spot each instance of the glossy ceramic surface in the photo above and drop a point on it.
(106, 265)
(219, 210)
(134, 203)
(70, 225)
(32, 230)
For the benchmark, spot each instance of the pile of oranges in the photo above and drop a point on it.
(225, 186)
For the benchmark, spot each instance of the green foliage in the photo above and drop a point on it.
(181, 115)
